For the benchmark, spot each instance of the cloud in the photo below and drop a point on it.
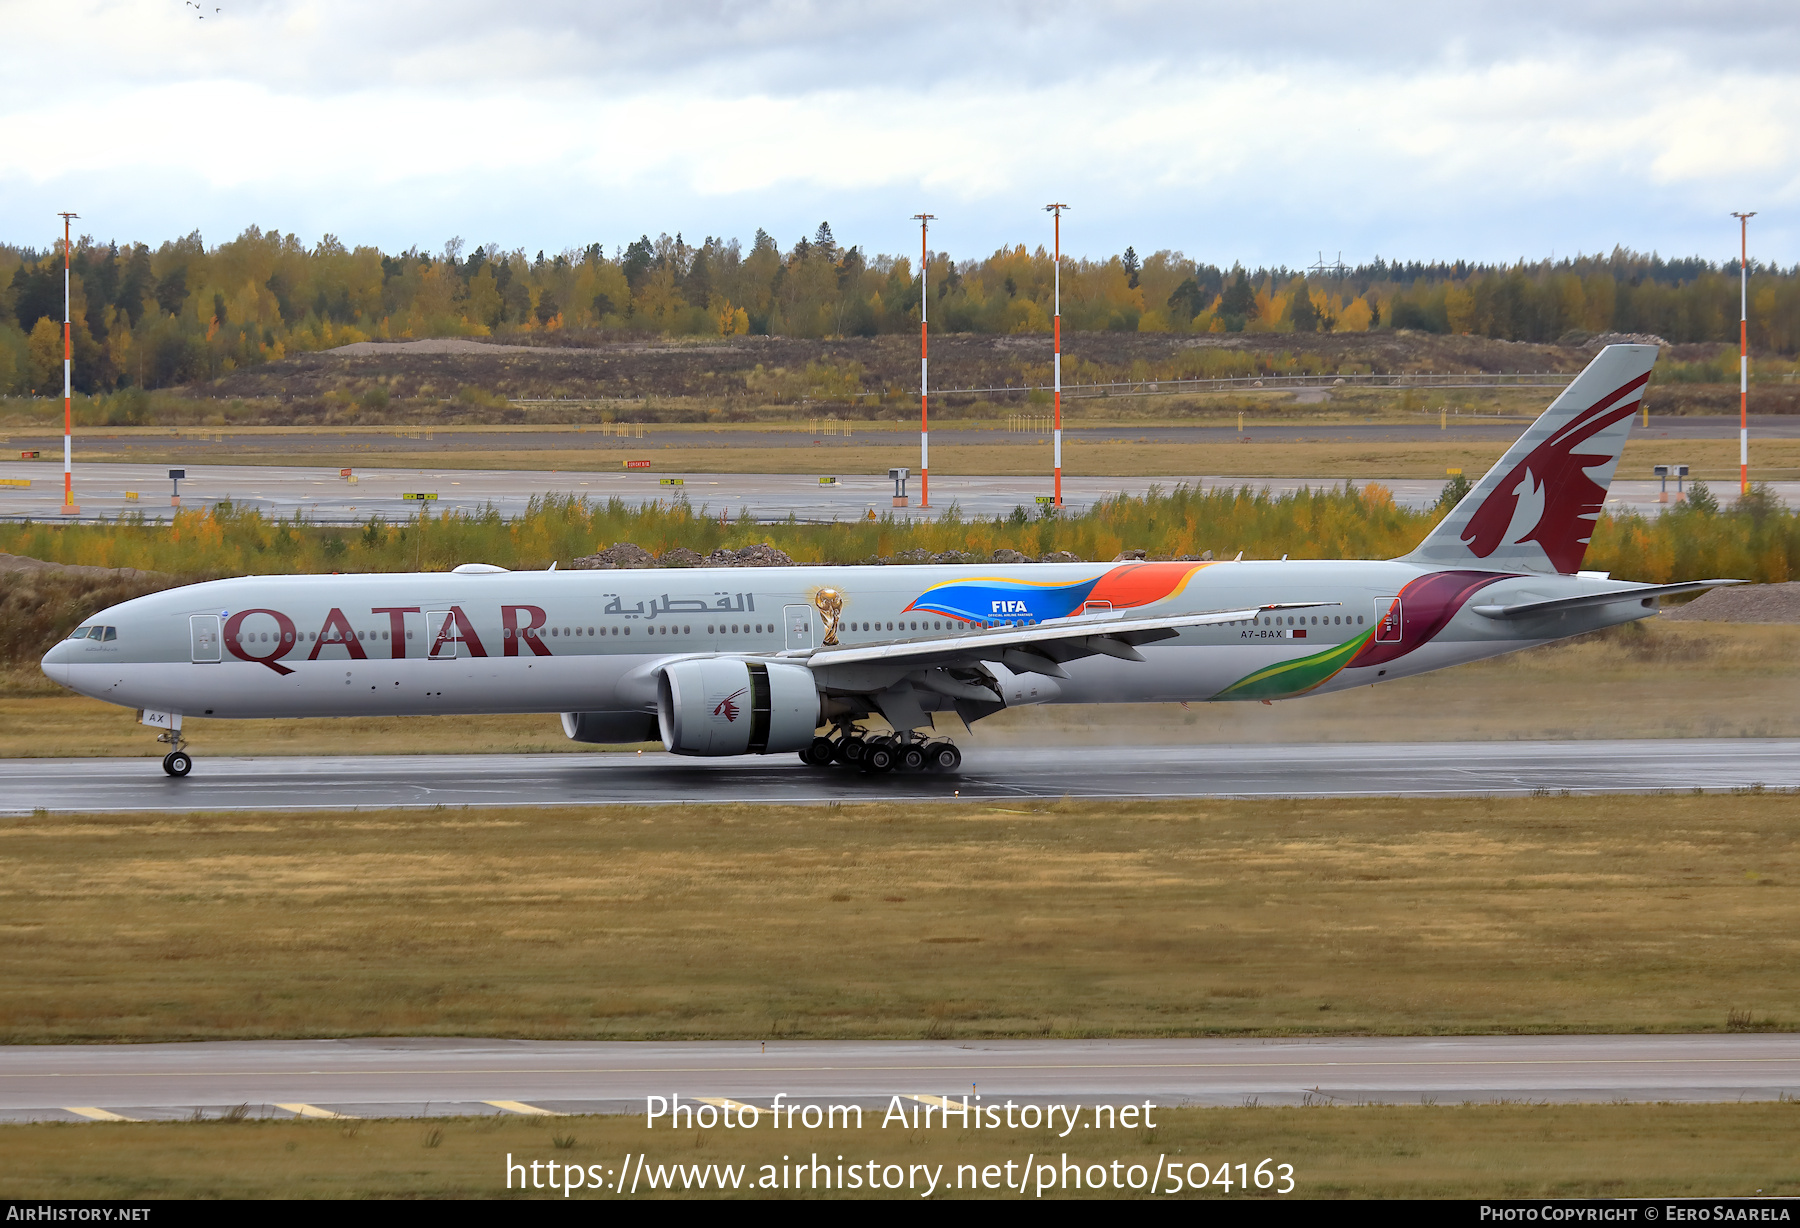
(1235, 132)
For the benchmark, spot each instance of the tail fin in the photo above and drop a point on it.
(1535, 510)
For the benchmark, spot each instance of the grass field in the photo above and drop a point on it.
(997, 455)
(1371, 916)
(1689, 679)
(1465, 1151)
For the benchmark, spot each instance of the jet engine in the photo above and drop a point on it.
(720, 706)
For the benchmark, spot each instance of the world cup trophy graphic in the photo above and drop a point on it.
(831, 608)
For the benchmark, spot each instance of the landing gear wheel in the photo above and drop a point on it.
(911, 758)
(878, 757)
(177, 763)
(820, 753)
(943, 757)
(851, 751)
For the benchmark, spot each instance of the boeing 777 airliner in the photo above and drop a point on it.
(734, 661)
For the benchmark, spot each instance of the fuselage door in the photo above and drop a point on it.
(443, 640)
(1387, 620)
(799, 621)
(203, 630)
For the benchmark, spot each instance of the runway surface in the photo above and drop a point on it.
(988, 774)
(446, 1077)
(324, 496)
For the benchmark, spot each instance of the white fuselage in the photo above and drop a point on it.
(497, 642)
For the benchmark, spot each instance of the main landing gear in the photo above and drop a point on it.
(905, 752)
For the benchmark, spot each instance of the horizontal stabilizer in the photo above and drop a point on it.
(1645, 593)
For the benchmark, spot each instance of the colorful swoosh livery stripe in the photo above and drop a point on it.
(996, 598)
(1426, 607)
(1288, 678)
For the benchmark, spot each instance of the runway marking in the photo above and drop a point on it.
(519, 1106)
(936, 1102)
(100, 1114)
(734, 1105)
(308, 1110)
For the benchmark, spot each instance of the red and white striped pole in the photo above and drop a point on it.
(1743, 351)
(68, 508)
(924, 220)
(1056, 368)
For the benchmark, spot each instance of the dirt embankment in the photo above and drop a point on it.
(463, 379)
(40, 603)
(1744, 603)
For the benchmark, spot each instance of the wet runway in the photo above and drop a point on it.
(442, 1077)
(988, 774)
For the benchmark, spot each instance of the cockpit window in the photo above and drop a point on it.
(112, 633)
(80, 633)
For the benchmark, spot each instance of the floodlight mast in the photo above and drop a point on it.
(68, 508)
(1056, 211)
(924, 220)
(1744, 351)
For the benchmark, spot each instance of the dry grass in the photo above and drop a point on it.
(1179, 918)
(1469, 1151)
(1661, 680)
(1013, 455)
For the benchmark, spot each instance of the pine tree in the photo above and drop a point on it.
(1132, 265)
(1238, 303)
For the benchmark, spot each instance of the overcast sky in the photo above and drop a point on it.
(1230, 131)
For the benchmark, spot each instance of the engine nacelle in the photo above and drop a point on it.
(721, 706)
(611, 728)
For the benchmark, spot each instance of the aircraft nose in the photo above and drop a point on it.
(56, 664)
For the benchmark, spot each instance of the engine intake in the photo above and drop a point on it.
(721, 706)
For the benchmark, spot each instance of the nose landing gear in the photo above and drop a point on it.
(177, 762)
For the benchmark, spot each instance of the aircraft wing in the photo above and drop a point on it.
(1536, 609)
(1042, 648)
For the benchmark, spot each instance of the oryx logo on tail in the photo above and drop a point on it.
(1548, 497)
(1536, 509)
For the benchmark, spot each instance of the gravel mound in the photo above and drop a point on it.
(619, 554)
(18, 563)
(750, 556)
(1743, 603)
